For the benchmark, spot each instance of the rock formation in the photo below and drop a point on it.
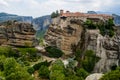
(105, 47)
(17, 34)
(63, 34)
(67, 34)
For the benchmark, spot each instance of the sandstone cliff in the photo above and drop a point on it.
(17, 34)
(70, 33)
(63, 34)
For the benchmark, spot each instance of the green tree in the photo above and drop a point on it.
(30, 70)
(54, 52)
(57, 71)
(73, 77)
(89, 60)
(14, 71)
(82, 73)
(7, 51)
(58, 65)
(90, 24)
(112, 75)
(44, 72)
(57, 75)
(55, 14)
(2, 59)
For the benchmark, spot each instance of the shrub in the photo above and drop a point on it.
(112, 75)
(38, 65)
(7, 51)
(90, 24)
(57, 75)
(44, 71)
(111, 33)
(30, 70)
(73, 77)
(89, 60)
(27, 50)
(29, 54)
(81, 73)
(54, 52)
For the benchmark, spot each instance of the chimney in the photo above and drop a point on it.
(61, 12)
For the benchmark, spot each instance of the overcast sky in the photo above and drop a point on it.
(38, 8)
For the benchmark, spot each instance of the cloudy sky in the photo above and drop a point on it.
(38, 8)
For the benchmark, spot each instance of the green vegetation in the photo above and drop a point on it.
(30, 70)
(90, 24)
(81, 72)
(106, 28)
(54, 52)
(57, 71)
(44, 72)
(112, 75)
(28, 54)
(14, 71)
(38, 65)
(27, 50)
(55, 14)
(7, 51)
(89, 60)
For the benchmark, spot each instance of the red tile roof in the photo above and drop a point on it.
(78, 14)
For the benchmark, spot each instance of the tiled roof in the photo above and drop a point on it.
(78, 14)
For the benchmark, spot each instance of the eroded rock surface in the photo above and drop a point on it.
(63, 33)
(17, 34)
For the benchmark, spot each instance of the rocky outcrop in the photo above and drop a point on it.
(105, 47)
(67, 34)
(17, 34)
(63, 34)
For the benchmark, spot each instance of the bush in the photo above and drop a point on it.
(73, 77)
(90, 24)
(30, 70)
(29, 54)
(2, 59)
(14, 71)
(111, 33)
(82, 73)
(27, 50)
(54, 52)
(44, 72)
(113, 75)
(57, 75)
(37, 66)
(7, 51)
(89, 61)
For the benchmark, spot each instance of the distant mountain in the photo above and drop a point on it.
(100, 12)
(6, 17)
(42, 23)
(116, 17)
(91, 12)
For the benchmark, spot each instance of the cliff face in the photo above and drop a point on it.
(17, 34)
(65, 33)
(105, 47)
(41, 23)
